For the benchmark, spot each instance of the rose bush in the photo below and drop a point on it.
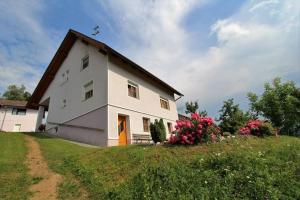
(258, 128)
(195, 130)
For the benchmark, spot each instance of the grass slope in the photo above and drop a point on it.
(14, 180)
(245, 168)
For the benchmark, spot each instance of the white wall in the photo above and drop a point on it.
(147, 105)
(72, 90)
(110, 93)
(27, 121)
(134, 124)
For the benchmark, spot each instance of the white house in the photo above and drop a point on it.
(95, 95)
(15, 117)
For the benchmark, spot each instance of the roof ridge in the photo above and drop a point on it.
(62, 53)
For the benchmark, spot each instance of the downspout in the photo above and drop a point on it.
(3, 118)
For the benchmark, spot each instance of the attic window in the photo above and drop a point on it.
(65, 77)
(84, 62)
(64, 103)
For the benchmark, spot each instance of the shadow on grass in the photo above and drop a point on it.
(44, 135)
(40, 135)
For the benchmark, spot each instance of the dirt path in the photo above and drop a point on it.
(47, 181)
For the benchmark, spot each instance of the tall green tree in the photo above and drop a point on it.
(279, 103)
(192, 107)
(231, 117)
(14, 92)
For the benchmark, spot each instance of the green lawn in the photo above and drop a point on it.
(14, 181)
(239, 169)
(244, 168)
(57, 152)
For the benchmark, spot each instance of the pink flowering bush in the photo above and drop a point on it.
(258, 128)
(195, 130)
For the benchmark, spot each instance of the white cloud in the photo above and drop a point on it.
(263, 4)
(26, 45)
(254, 45)
(229, 31)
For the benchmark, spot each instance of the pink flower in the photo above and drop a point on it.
(213, 137)
(195, 116)
(188, 124)
(199, 126)
(173, 139)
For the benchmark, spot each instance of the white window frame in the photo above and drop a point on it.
(132, 84)
(84, 90)
(148, 124)
(164, 99)
(64, 103)
(170, 126)
(82, 59)
(65, 76)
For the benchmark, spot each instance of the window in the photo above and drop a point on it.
(146, 124)
(88, 90)
(65, 76)
(64, 103)
(170, 127)
(85, 62)
(18, 111)
(164, 103)
(133, 90)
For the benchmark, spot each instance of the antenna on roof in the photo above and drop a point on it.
(96, 30)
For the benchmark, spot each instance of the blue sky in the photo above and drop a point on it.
(210, 50)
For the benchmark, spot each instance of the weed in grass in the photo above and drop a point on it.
(36, 180)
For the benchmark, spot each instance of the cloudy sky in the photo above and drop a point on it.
(210, 50)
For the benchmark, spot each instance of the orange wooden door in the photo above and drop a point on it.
(122, 130)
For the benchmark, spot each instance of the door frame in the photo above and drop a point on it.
(126, 117)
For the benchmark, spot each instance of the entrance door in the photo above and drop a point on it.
(17, 128)
(122, 130)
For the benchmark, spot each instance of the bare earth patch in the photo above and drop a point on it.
(46, 188)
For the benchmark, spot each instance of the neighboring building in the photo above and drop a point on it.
(15, 117)
(183, 117)
(95, 95)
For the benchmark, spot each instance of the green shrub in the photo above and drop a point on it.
(158, 131)
(226, 134)
(267, 129)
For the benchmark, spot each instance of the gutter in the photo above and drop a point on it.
(179, 97)
(3, 118)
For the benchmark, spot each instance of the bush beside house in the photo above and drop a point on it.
(158, 131)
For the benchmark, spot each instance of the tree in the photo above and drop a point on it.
(158, 131)
(203, 113)
(191, 107)
(279, 103)
(231, 117)
(14, 92)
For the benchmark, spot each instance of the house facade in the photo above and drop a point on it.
(95, 95)
(15, 117)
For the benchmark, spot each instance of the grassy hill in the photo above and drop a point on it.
(244, 168)
(13, 174)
